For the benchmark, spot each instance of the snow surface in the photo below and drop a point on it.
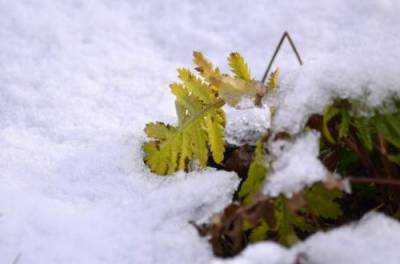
(79, 79)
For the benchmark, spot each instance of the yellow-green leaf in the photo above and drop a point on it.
(239, 67)
(205, 67)
(329, 113)
(273, 80)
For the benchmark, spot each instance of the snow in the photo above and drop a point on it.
(296, 165)
(259, 253)
(79, 80)
(359, 242)
(246, 125)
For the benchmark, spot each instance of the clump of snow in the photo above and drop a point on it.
(374, 240)
(261, 253)
(246, 125)
(296, 165)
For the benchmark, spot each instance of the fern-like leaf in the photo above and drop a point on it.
(273, 79)
(239, 67)
(256, 176)
(201, 123)
(321, 202)
(205, 67)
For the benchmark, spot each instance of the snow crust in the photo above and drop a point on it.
(296, 165)
(79, 80)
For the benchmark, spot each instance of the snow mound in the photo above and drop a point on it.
(245, 126)
(296, 165)
(260, 253)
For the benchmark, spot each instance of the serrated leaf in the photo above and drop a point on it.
(321, 201)
(199, 143)
(205, 67)
(389, 124)
(200, 124)
(273, 80)
(159, 130)
(364, 132)
(256, 176)
(215, 129)
(195, 86)
(233, 90)
(239, 67)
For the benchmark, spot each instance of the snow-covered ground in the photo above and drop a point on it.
(80, 78)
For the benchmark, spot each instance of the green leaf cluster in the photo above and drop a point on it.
(370, 127)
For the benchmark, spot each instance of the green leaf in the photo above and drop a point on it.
(200, 124)
(344, 123)
(205, 67)
(159, 130)
(195, 86)
(321, 201)
(364, 132)
(273, 79)
(214, 125)
(239, 67)
(232, 90)
(389, 125)
(329, 113)
(256, 176)
(288, 222)
(394, 158)
(259, 233)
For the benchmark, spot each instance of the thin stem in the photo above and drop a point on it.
(381, 181)
(285, 35)
(383, 151)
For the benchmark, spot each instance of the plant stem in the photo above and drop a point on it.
(381, 181)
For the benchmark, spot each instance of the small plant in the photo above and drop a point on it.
(361, 144)
(201, 118)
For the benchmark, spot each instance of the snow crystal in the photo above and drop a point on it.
(296, 165)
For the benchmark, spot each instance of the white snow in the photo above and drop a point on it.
(246, 125)
(296, 165)
(79, 80)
